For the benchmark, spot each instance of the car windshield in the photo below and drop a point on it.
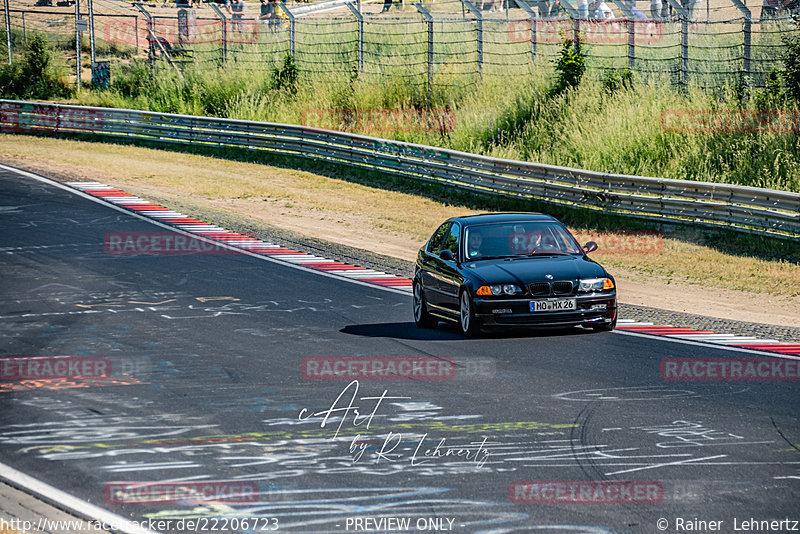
(502, 240)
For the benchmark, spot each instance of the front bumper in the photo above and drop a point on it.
(516, 312)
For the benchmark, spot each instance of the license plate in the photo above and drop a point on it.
(553, 305)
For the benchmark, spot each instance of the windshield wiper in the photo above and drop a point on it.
(551, 253)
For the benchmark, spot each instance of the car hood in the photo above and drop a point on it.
(527, 270)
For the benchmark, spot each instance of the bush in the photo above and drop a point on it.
(614, 80)
(570, 66)
(33, 77)
(286, 76)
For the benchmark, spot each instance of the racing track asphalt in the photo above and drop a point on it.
(205, 353)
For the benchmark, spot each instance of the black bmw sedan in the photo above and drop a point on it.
(510, 269)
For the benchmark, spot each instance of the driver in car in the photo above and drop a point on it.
(474, 242)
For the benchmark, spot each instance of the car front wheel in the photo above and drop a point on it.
(421, 315)
(469, 325)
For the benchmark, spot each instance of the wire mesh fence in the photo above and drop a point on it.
(439, 44)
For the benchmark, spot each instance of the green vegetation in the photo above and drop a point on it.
(35, 76)
(557, 113)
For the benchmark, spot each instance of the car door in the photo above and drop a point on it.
(449, 273)
(429, 265)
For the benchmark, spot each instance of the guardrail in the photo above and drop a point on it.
(748, 209)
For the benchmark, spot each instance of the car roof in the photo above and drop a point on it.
(485, 218)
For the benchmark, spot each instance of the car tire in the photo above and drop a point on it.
(467, 322)
(421, 315)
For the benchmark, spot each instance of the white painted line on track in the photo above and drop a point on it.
(243, 252)
(72, 504)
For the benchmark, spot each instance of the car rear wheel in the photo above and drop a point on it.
(467, 322)
(421, 315)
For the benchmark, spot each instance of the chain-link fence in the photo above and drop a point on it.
(439, 44)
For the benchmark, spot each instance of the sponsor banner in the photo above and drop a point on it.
(383, 120)
(30, 117)
(159, 244)
(730, 121)
(597, 32)
(729, 369)
(623, 242)
(174, 492)
(586, 492)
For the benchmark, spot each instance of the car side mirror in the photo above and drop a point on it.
(446, 255)
(590, 246)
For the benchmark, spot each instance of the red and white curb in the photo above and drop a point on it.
(708, 336)
(209, 231)
(362, 274)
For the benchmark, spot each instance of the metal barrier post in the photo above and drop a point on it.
(291, 27)
(224, 20)
(747, 35)
(429, 20)
(8, 29)
(360, 20)
(532, 16)
(479, 31)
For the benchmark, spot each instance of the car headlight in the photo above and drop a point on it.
(499, 289)
(590, 285)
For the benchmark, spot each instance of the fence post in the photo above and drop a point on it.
(291, 27)
(151, 35)
(224, 20)
(532, 16)
(479, 33)
(8, 29)
(631, 26)
(136, 29)
(78, 44)
(91, 34)
(24, 30)
(429, 20)
(360, 20)
(747, 36)
(684, 16)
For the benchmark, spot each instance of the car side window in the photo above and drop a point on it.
(453, 239)
(435, 243)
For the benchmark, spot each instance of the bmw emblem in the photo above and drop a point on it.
(549, 276)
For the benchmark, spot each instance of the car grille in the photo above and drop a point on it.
(545, 289)
(562, 288)
(540, 289)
